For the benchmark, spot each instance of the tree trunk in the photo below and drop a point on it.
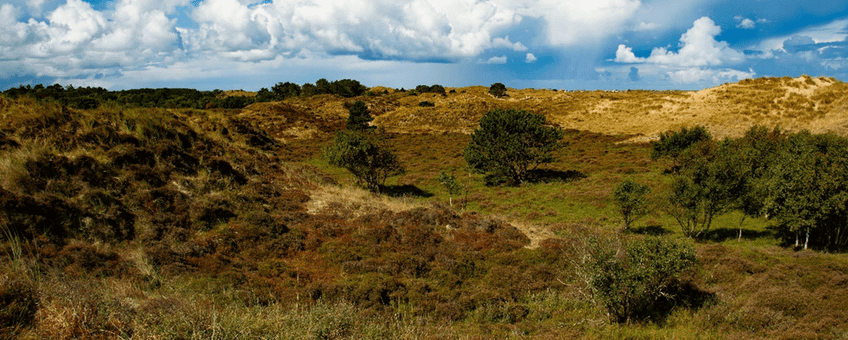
(740, 227)
(807, 241)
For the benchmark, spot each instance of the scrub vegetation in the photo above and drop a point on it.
(137, 221)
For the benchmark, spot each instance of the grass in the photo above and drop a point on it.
(241, 230)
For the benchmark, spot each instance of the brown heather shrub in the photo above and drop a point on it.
(82, 260)
(19, 302)
(83, 309)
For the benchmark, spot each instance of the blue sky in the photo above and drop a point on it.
(563, 44)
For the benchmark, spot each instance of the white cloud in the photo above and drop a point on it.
(746, 24)
(699, 75)
(581, 21)
(698, 48)
(530, 58)
(646, 26)
(505, 43)
(496, 60)
(71, 26)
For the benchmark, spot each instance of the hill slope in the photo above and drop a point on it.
(816, 104)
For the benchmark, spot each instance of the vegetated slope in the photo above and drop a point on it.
(147, 198)
(155, 223)
(816, 104)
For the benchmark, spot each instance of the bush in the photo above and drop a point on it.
(673, 143)
(437, 89)
(510, 144)
(630, 200)
(497, 90)
(639, 280)
(366, 155)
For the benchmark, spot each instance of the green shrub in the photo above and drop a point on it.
(497, 90)
(630, 200)
(637, 280)
(510, 144)
(367, 156)
(673, 143)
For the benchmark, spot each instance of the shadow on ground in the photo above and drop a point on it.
(724, 234)
(549, 175)
(405, 190)
(652, 230)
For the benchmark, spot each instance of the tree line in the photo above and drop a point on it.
(799, 180)
(86, 98)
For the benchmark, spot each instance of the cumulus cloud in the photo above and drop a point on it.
(746, 23)
(530, 58)
(700, 59)
(698, 48)
(379, 29)
(74, 38)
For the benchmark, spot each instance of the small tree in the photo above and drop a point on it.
(630, 199)
(449, 182)
(366, 155)
(706, 186)
(510, 144)
(497, 90)
(358, 117)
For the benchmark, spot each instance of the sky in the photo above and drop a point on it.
(557, 44)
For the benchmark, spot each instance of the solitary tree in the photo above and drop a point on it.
(630, 200)
(366, 155)
(510, 143)
(358, 117)
(497, 90)
(449, 182)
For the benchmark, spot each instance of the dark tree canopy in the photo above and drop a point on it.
(358, 117)
(436, 88)
(497, 90)
(366, 155)
(673, 143)
(286, 90)
(510, 143)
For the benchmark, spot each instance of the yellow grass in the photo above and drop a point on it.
(816, 104)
